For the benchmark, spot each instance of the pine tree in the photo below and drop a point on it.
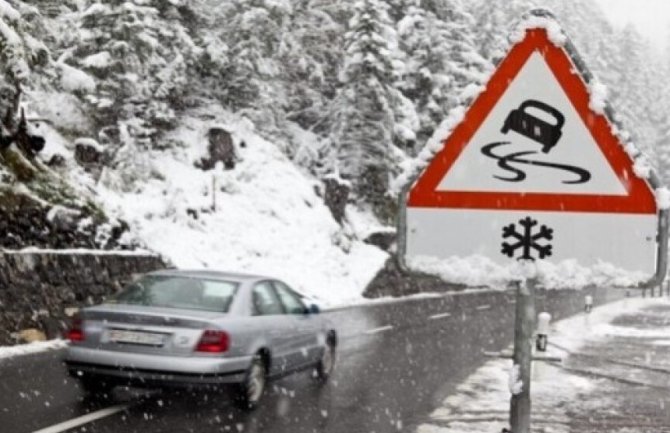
(309, 55)
(491, 29)
(240, 64)
(140, 58)
(441, 62)
(364, 114)
(20, 51)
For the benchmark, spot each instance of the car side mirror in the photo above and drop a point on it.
(313, 309)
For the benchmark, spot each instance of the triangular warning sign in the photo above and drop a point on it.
(530, 141)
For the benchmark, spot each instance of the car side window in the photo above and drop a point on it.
(265, 301)
(290, 300)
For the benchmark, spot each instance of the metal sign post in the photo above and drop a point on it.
(524, 327)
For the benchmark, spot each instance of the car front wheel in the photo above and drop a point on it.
(326, 365)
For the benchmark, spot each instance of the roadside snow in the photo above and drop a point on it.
(27, 349)
(479, 271)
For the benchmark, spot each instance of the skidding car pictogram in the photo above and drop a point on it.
(536, 129)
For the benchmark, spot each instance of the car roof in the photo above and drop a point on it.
(218, 275)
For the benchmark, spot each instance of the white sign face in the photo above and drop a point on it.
(625, 241)
(532, 173)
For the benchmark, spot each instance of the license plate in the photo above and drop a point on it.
(136, 337)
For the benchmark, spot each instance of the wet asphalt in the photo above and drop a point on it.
(396, 362)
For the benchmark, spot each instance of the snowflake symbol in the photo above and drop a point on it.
(527, 240)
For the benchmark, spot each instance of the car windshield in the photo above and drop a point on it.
(178, 292)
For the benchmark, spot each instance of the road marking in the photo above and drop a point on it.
(439, 316)
(380, 329)
(484, 307)
(84, 419)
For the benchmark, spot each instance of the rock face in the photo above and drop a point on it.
(37, 288)
(26, 222)
(336, 195)
(392, 281)
(384, 240)
(87, 152)
(220, 149)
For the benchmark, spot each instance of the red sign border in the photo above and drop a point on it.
(639, 200)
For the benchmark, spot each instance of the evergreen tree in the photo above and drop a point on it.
(20, 51)
(240, 61)
(140, 58)
(309, 55)
(364, 113)
(441, 62)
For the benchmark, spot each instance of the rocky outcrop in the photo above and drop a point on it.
(220, 148)
(336, 195)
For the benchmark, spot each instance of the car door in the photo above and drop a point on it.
(305, 348)
(269, 315)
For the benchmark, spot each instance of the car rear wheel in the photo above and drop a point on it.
(326, 364)
(251, 390)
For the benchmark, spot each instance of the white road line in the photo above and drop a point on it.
(84, 419)
(380, 329)
(484, 307)
(439, 316)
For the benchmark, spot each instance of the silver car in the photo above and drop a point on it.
(199, 328)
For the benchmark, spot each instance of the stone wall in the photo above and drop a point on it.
(36, 288)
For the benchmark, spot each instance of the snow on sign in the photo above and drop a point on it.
(534, 172)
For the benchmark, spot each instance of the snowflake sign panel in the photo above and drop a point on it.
(533, 173)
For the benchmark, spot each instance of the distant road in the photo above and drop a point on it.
(397, 361)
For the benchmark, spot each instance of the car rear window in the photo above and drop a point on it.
(178, 292)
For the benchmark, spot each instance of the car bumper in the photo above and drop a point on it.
(147, 369)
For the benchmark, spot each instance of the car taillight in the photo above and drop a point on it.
(76, 330)
(213, 341)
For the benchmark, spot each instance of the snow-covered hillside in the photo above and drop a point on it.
(266, 216)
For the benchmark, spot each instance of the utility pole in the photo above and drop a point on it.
(524, 326)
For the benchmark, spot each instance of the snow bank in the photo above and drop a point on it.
(573, 333)
(27, 349)
(477, 271)
(265, 217)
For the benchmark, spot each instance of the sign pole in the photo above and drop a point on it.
(523, 352)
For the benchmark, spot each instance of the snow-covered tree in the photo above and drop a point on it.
(364, 106)
(131, 60)
(310, 59)
(239, 60)
(20, 48)
(442, 61)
